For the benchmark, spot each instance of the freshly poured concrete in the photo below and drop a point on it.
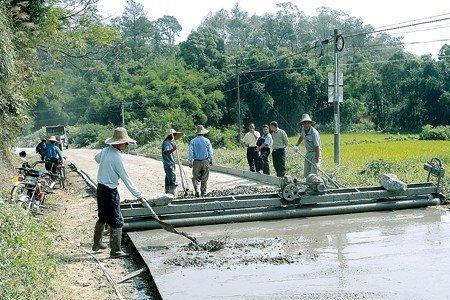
(380, 255)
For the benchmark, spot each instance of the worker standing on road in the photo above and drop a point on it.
(280, 142)
(312, 144)
(200, 156)
(53, 155)
(264, 144)
(111, 168)
(40, 149)
(167, 150)
(249, 140)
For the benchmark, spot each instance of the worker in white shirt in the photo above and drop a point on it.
(249, 140)
(111, 169)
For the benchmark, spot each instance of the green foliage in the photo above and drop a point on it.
(84, 135)
(376, 167)
(226, 138)
(26, 269)
(435, 133)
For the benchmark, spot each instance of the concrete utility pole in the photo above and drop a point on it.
(337, 126)
(123, 114)
(238, 103)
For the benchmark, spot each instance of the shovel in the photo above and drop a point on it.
(167, 227)
(164, 225)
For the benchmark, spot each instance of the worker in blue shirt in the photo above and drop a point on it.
(53, 156)
(200, 156)
(167, 149)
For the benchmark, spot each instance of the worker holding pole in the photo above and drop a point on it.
(167, 149)
(311, 139)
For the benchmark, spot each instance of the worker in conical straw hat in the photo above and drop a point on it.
(200, 157)
(52, 155)
(111, 169)
(311, 139)
(167, 149)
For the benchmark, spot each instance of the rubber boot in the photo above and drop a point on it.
(203, 187)
(195, 184)
(171, 189)
(98, 235)
(115, 241)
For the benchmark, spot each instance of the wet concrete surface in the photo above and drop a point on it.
(377, 255)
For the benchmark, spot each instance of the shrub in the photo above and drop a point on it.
(25, 267)
(224, 138)
(435, 133)
(89, 134)
(32, 139)
(376, 167)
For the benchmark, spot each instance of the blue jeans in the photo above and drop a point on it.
(171, 177)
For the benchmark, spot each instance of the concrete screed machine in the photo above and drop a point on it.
(294, 199)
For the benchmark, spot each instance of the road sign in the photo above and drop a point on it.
(331, 87)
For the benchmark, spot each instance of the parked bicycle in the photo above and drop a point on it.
(58, 172)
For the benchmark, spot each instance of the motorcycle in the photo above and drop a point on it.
(30, 187)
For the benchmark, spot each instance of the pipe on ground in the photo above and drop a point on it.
(286, 213)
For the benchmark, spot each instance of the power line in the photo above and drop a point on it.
(421, 30)
(400, 23)
(397, 27)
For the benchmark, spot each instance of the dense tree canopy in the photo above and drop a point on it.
(81, 69)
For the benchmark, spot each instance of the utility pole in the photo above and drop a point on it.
(238, 103)
(123, 114)
(337, 126)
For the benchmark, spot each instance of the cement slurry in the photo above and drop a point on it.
(377, 255)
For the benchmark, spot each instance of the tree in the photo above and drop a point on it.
(204, 50)
(167, 28)
(137, 30)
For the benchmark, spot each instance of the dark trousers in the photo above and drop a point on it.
(51, 165)
(279, 161)
(252, 158)
(263, 162)
(108, 203)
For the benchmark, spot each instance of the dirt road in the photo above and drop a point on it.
(148, 174)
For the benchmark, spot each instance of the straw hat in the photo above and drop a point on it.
(305, 118)
(52, 139)
(120, 136)
(201, 130)
(176, 134)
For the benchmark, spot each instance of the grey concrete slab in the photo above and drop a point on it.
(386, 255)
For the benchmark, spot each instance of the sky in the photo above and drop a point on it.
(190, 13)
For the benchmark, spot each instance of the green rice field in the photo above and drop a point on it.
(363, 157)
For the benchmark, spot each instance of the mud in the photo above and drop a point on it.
(238, 190)
(253, 251)
(210, 246)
